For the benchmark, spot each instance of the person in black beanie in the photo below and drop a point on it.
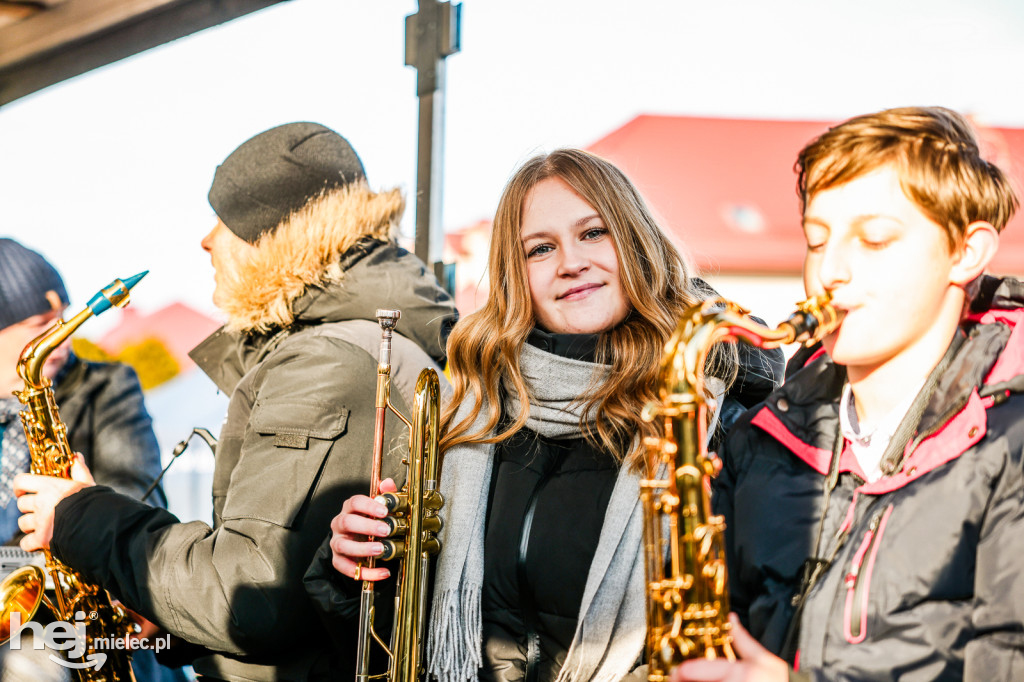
(304, 253)
(100, 403)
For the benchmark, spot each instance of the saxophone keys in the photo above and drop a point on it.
(712, 464)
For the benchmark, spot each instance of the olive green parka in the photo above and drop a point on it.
(296, 442)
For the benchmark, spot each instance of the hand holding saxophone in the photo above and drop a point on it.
(755, 664)
(358, 520)
(38, 497)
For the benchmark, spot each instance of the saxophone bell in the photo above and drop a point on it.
(22, 592)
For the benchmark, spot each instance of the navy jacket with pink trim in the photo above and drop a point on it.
(926, 580)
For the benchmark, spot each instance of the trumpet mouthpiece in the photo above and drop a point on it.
(388, 319)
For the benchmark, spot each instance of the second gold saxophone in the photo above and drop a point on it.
(87, 607)
(687, 582)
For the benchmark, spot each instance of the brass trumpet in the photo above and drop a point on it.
(413, 518)
(687, 586)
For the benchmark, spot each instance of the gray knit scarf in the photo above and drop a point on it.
(611, 629)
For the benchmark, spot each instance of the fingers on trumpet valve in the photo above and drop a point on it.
(353, 534)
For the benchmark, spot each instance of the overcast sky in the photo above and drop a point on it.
(107, 174)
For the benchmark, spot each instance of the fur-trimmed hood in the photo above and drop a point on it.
(384, 275)
(305, 250)
(330, 262)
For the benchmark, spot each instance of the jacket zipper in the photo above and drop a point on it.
(529, 607)
(858, 579)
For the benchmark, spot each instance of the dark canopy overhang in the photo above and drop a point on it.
(43, 42)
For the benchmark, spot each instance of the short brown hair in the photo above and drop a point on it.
(937, 156)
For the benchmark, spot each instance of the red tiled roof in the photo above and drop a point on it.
(179, 327)
(726, 189)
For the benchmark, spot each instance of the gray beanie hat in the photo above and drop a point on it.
(25, 279)
(276, 173)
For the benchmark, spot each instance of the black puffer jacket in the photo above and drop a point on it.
(926, 582)
(546, 509)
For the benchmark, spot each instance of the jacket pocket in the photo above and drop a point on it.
(858, 579)
(282, 455)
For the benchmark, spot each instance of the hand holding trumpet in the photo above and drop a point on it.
(356, 522)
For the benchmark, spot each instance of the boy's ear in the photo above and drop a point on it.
(981, 241)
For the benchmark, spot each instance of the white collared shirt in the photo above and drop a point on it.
(869, 441)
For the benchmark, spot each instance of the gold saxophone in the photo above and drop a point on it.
(687, 587)
(87, 607)
(412, 518)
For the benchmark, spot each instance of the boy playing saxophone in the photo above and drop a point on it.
(873, 503)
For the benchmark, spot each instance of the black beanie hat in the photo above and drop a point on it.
(276, 172)
(25, 279)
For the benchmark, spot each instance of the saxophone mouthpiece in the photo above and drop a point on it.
(814, 319)
(134, 279)
(114, 294)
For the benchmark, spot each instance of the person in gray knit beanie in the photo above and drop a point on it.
(277, 172)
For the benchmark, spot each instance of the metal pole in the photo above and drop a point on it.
(431, 35)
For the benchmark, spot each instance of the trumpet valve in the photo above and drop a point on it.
(397, 503)
(433, 500)
(397, 525)
(432, 524)
(393, 549)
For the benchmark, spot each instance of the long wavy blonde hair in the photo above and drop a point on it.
(484, 347)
